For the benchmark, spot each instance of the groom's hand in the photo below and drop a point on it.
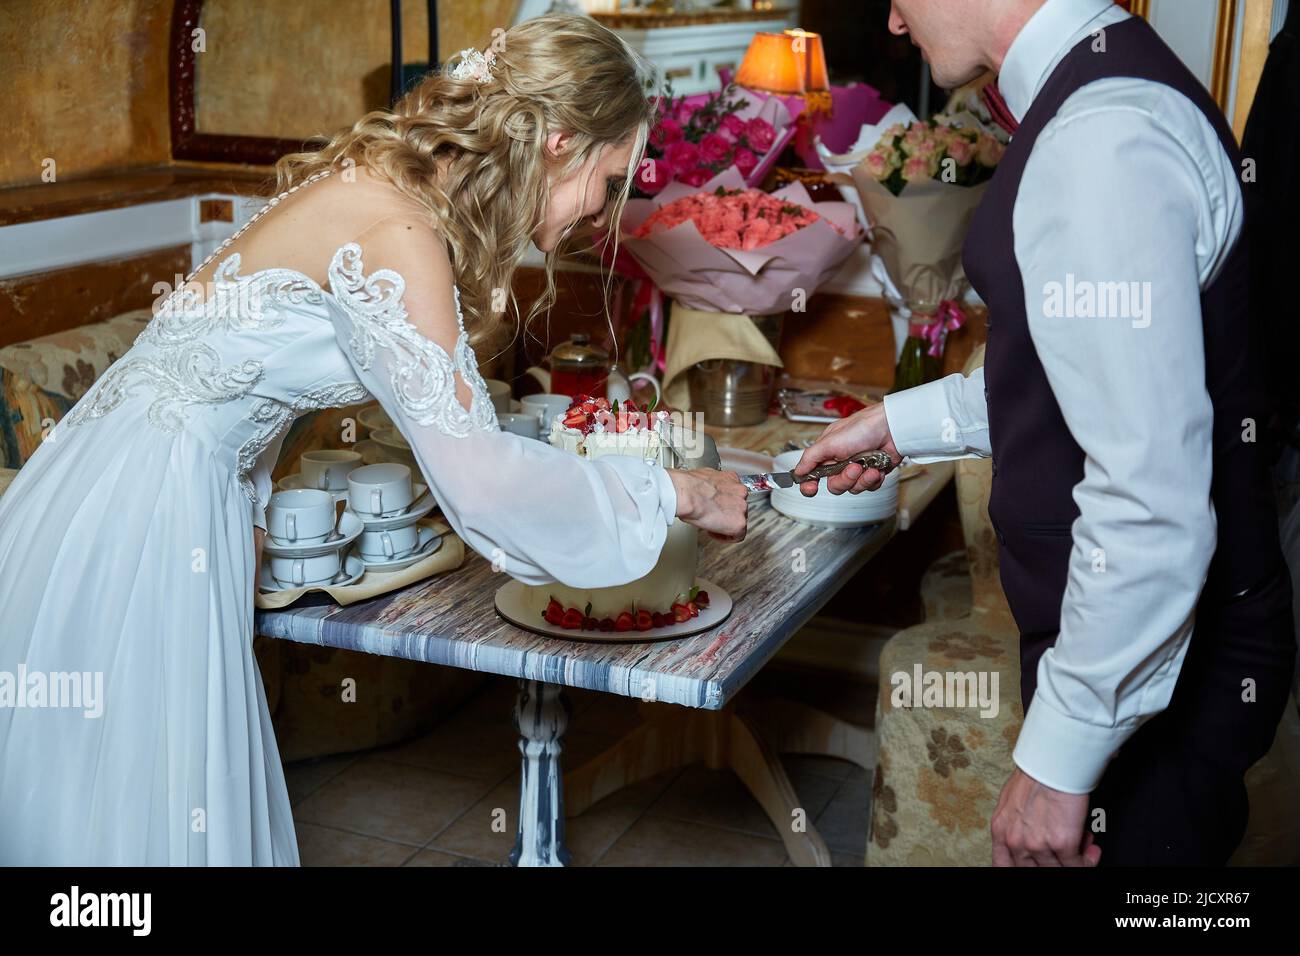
(864, 431)
(1034, 825)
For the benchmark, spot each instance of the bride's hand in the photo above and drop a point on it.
(258, 536)
(712, 500)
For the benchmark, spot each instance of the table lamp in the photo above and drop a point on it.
(791, 63)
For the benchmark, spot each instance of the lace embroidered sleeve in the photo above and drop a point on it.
(536, 512)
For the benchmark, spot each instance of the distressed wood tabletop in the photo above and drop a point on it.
(779, 577)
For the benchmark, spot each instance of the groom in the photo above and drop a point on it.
(1138, 539)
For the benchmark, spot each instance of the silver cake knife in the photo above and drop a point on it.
(787, 479)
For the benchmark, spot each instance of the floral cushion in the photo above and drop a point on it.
(42, 378)
(945, 589)
(939, 771)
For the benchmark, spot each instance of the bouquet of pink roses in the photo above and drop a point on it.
(918, 187)
(699, 136)
(731, 218)
(736, 250)
(924, 152)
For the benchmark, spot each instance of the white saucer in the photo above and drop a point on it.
(295, 481)
(349, 529)
(350, 573)
(420, 507)
(510, 604)
(430, 541)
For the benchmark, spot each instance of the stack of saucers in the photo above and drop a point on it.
(304, 546)
(826, 510)
(389, 506)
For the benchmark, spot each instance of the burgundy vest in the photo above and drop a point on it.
(1036, 462)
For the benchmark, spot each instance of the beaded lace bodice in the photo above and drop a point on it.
(259, 350)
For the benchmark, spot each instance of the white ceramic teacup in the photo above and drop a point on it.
(297, 572)
(520, 423)
(380, 490)
(300, 516)
(393, 543)
(327, 468)
(499, 392)
(545, 407)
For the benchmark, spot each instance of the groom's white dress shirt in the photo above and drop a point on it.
(1128, 183)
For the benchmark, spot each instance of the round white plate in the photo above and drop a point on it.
(350, 573)
(828, 518)
(349, 529)
(511, 605)
(420, 507)
(430, 541)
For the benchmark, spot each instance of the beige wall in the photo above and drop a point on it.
(85, 84)
(86, 80)
(333, 59)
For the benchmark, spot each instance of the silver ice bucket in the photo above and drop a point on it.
(731, 393)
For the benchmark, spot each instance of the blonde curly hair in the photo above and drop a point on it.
(557, 72)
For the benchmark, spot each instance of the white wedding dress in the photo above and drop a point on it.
(127, 550)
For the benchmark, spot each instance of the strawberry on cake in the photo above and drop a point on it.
(592, 428)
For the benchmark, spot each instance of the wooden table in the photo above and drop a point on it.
(779, 577)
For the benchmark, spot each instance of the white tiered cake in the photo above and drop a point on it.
(668, 594)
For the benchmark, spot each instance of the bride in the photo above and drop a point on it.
(130, 539)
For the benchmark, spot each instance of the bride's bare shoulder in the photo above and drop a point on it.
(392, 233)
(364, 194)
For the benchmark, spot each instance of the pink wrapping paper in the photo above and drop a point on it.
(761, 282)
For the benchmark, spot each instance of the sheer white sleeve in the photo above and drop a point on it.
(539, 513)
(260, 476)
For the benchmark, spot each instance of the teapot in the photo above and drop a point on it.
(580, 368)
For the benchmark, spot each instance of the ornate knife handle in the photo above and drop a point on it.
(876, 459)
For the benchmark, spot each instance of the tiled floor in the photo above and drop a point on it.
(450, 798)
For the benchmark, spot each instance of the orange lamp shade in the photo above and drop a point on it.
(790, 63)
